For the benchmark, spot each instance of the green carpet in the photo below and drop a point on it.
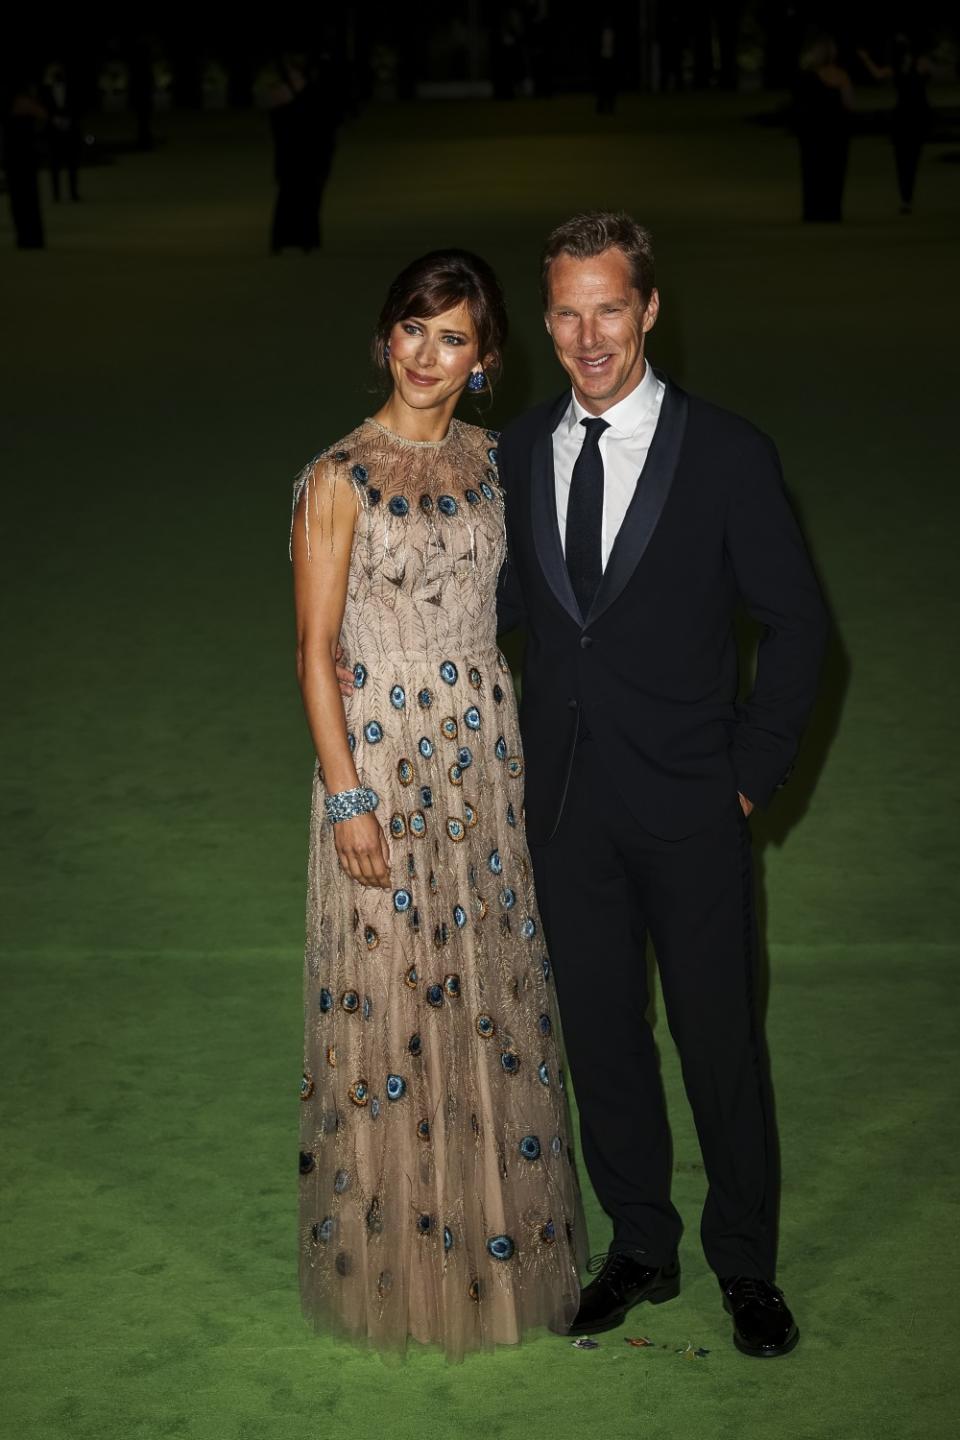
(163, 379)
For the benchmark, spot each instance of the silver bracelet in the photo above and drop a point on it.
(348, 803)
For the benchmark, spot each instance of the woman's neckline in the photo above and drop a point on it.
(402, 439)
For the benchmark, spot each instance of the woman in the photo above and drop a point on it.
(438, 1195)
(823, 98)
(910, 72)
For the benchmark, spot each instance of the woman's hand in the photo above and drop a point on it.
(363, 850)
(344, 674)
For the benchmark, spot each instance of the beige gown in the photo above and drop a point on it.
(438, 1196)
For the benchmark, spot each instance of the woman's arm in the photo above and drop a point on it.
(879, 72)
(322, 539)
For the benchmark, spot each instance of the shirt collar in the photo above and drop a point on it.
(626, 417)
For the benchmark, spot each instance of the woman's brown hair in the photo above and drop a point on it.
(439, 281)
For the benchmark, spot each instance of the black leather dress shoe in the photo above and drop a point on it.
(762, 1323)
(623, 1281)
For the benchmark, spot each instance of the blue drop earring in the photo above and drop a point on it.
(477, 381)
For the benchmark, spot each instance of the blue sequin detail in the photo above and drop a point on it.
(548, 1233)
(455, 828)
(485, 1026)
(556, 1146)
(508, 898)
(351, 742)
(465, 757)
(510, 1062)
(367, 1007)
(459, 916)
(449, 672)
(323, 1231)
(396, 1087)
(493, 435)
(418, 826)
(424, 1224)
(500, 749)
(326, 1001)
(501, 1247)
(350, 1001)
(529, 1147)
(487, 489)
(426, 796)
(373, 496)
(359, 675)
(494, 863)
(511, 815)
(471, 718)
(404, 772)
(375, 1106)
(451, 983)
(401, 900)
(398, 697)
(543, 1072)
(471, 497)
(341, 1181)
(340, 455)
(373, 732)
(424, 699)
(497, 694)
(360, 474)
(426, 504)
(435, 995)
(544, 1024)
(415, 1045)
(545, 966)
(425, 747)
(447, 1238)
(528, 929)
(398, 505)
(492, 455)
(447, 505)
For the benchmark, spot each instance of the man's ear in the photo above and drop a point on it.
(652, 311)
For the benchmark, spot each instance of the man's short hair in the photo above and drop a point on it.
(590, 234)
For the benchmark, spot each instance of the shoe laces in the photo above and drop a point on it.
(751, 1290)
(611, 1265)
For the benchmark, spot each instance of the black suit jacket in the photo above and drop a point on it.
(652, 669)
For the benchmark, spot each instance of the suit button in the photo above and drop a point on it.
(585, 642)
(571, 704)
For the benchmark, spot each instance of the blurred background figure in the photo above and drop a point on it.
(302, 99)
(823, 98)
(606, 81)
(910, 72)
(141, 88)
(64, 134)
(25, 118)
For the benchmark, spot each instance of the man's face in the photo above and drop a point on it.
(597, 321)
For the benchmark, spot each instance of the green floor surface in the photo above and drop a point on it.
(163, 379)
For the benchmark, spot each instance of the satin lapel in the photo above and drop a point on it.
(543, 512)
(648, 501)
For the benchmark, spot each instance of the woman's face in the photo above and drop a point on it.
(430, 360)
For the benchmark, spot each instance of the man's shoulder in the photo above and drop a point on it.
(723, 429)
(525, 427)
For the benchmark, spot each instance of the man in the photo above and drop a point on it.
(638, 519)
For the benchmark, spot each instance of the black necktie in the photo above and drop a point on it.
(585, 517)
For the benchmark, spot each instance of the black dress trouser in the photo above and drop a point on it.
(603, 884)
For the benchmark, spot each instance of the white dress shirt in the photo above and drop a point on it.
(623, 449)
